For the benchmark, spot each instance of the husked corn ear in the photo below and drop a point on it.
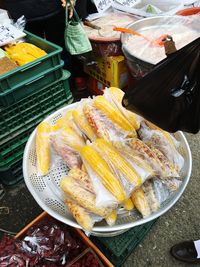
(166, 134)
(100, 167)
(128, 204)
(117, 96)
(80, 214)
(95, 122)
(82, 196)
(111, 218)
(83, 124)
(119, 162)
(43, 147)
(71, 138)
(112, 113)
(65, 121)
(82, 177)
(140, 202)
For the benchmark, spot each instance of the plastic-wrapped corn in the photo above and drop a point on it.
(43, 147)
(72, 138)
(95, 122)
(143, 151)
(161, 142)
(83, 124)
(119, 162)
(103, 171)
(81, 196)
(116, 95)
(67, 143)
(81, 215)
(128, 204)
(140, 202)
(112, 113)
(82, 177)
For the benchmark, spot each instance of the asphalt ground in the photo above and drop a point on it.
(181, 222)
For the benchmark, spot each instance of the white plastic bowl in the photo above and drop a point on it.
(48, 195)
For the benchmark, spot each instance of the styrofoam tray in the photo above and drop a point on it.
(47, 193)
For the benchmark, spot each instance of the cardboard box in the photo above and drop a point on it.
(110, 71)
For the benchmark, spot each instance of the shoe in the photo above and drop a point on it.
(185, 251)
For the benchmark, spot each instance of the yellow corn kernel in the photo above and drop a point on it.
(128, 204)
(140, 202)
(111, 218)
(83, 124)
(43, 147)
(72, 139)
(117, 96)
(112, 113)
(119, 162)
(100, 167)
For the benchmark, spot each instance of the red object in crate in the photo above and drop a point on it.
(67, 243)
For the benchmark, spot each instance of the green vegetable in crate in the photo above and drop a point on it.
(23, 53)
(43, 147)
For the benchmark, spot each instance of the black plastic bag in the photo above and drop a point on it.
(169, 96)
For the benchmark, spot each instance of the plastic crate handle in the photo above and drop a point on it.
(31, 65)
(34, 80)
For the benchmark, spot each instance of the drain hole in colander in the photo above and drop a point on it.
(37, 182)
(32, 157)
(56, 205)
(54, 120)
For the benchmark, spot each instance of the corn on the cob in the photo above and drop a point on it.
(95, 122)
(71, 138)
(100, 167)
(150, 196)
(80, 214)
(169, 167)
(166, 134)
(117, 96)
(81, 196)
(128, 204)
(82, 177)
(112, 113)
(130, 155)
(83, 124)
(140, 202)
(111, 218)
(119, 162)
(142, 150)
(43, 147)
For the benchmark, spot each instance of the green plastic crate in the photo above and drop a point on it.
(118, 248)
(23, 74)
(32, 85)
(12, 174)
(26, 112)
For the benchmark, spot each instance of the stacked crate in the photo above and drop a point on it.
(27, 95)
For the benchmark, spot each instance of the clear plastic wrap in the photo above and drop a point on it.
(114, 96)
(67, 143)
(153, 193)
(158, 139)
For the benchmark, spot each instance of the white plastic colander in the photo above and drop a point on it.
(47, 192)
